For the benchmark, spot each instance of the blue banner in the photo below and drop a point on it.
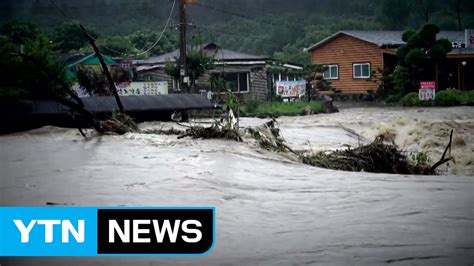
(106, 231)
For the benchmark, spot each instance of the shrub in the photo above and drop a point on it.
(448, 98)
(421, 159)
(393, 98)
(466, 97)
(276, 109)
(411, 99)
(251, 106)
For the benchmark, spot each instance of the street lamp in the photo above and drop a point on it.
(463, 63)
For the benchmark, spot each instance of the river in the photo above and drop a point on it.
(269, 209)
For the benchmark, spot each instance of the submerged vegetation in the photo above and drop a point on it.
(277, 109)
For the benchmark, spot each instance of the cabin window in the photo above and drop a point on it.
(331, 72)
(238, 82)
(361, 71)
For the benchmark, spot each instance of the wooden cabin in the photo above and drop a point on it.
(354, 60)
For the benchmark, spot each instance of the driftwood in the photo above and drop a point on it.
(444, 160)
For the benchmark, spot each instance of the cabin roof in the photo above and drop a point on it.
(386, 38)
(210, 49)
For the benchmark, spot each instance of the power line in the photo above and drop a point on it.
(118, 52)
(230, 33)
(162, 32)
(45, 8)
(60, 10)
(223, 31)
(240, 15)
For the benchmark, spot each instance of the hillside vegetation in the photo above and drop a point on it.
(278, 28)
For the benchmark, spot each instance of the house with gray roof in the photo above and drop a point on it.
(355, 60)
(245, 73)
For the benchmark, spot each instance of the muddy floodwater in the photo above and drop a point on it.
(269, 209)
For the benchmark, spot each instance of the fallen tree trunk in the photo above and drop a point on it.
(119, 124)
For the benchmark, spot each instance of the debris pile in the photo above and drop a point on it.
(161, 131)
(213, 132)
(225, 128)
(376, 157)
(269, 137)
(380, 156)
(119, 123)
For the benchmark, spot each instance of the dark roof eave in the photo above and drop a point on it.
(225, 60)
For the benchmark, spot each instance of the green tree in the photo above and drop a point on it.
(421, 49)
(143, 40)
(293, 54)
(19, 32)
(30, 71)
(426, 8)
(395, 13)
(114, 46)
(69, 37)
(197, 62)
(33, 73)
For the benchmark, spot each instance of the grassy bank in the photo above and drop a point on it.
(276, 109)
(442, 98)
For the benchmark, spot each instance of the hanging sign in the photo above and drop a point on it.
(291, 88)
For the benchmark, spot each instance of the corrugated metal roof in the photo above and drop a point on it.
(210, 49)
(107, 104)
(92, 59)
(388, 38)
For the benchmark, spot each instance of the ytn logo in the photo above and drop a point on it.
(148, 231)
(48, 226)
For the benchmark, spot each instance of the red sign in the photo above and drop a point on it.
(428, 84)
(427, 90)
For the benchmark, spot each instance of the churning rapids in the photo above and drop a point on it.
(270, 210)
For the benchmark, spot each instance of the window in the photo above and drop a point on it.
(361, 71)
(331, 72)
(238, 82)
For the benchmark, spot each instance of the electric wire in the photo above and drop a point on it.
(118, 52)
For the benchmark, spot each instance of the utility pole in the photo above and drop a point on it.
(182, 46)
(458, 13)
(104, 68)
